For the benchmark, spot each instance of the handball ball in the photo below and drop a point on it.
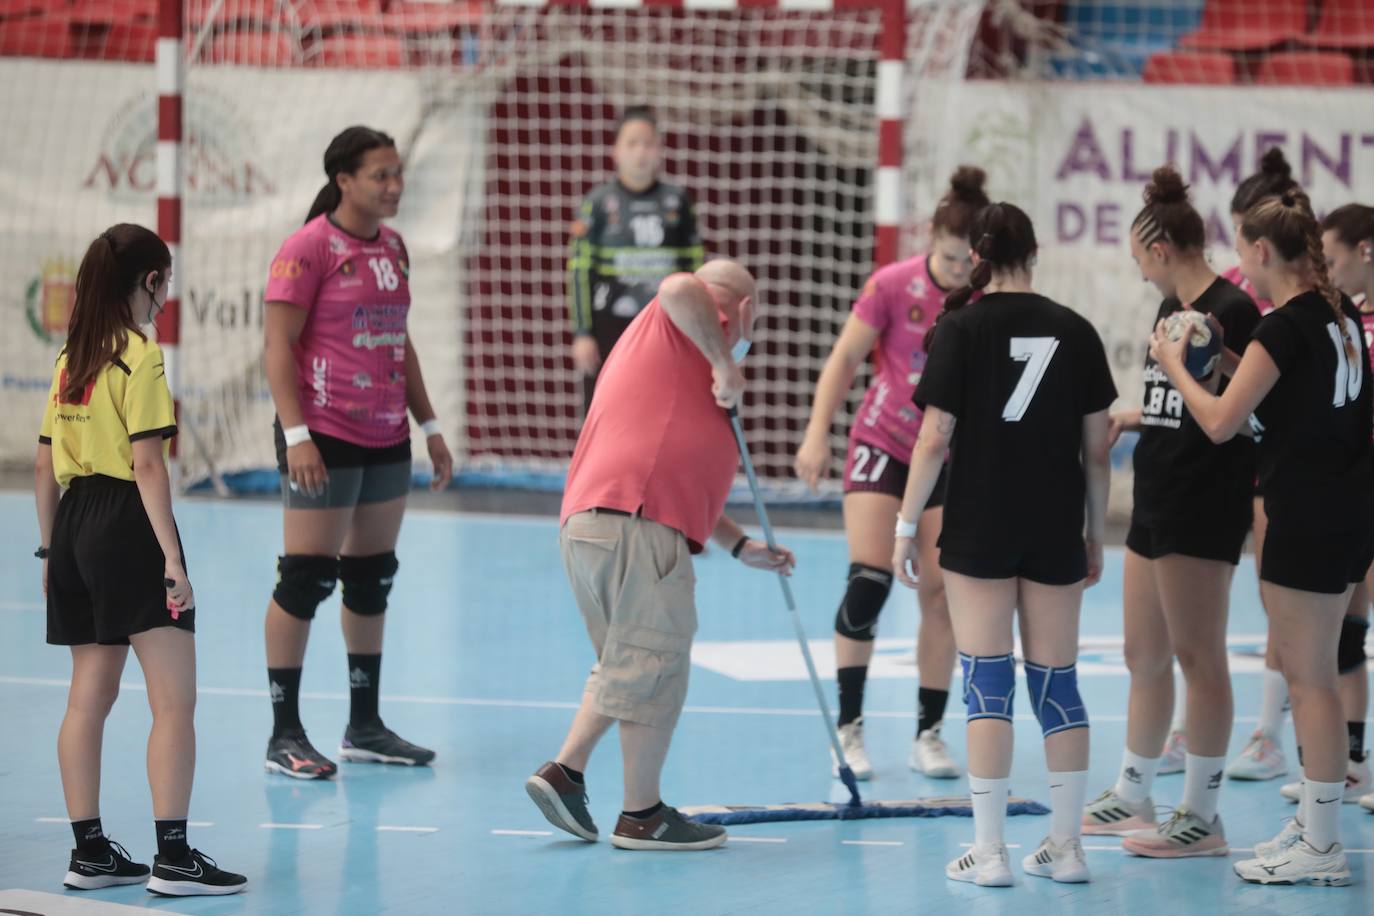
(1204, 348)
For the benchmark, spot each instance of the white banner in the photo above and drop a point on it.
(83, 158)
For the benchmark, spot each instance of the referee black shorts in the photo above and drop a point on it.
(105, 567)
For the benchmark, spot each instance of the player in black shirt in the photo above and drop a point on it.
(1305, 376)
(1016, 387)
(1191, 513)
(629, 234)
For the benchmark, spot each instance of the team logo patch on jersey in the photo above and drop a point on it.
(394, 242)
(404, 265)
(338, 245)
(49, 297)
(917, 287)
(287, 268)
(347, 269)
(362, 380)
(916, 315)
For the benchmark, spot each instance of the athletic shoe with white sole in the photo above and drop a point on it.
(563, 802)
(1357, 784)
(1290, 834)
(1261, 759)
(930, 756)
(1111, 815)
(665, 830)
(1066, 864)
(1185, 835)
(1299, 863)
(88, 872)
(197, 875)
(376, 743)
(292, 754)
(1175, 755)
(852, 743)
(986, 867)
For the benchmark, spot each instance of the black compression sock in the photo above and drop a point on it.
(851, 681)
(930, 708)
(284, 687)
(1355, 731)
(364, 686)
(171, 840)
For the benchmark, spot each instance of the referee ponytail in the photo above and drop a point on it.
(1004, 239)
(344, 156)
(116, 263)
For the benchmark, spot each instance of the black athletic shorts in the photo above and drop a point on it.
(1048, 564)
(357, 474)
(1203, 539)
(869, 469)
(1315, 560)
(105, 568)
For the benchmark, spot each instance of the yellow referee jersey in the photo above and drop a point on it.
(128, 400)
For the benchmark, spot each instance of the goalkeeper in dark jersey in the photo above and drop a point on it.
(629, 234)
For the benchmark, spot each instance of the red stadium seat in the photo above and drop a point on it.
(106, 12)
(256, 49)
(361, 52)
(416, 18)
(1343, 24)
(131, 41)
(1247, 25)
(1187, 67)
(36, 38)
(19, 9)
(344, 15)
(1306, 68)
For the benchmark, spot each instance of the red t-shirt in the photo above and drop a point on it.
(654, 440)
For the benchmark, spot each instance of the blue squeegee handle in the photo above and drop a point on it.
(830, 732)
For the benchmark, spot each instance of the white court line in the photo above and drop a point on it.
(1018, 846)
(53, 820)
(755, 839)
(200, 823)
(871, 843)
(391, 829)
(522, 833)
(291, 826)
(21, 606)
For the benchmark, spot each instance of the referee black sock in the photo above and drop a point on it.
(171, 840)
(851, 681)
(1355, 731)
(284, 687)
(90, 836)
(647, 812)
(364, 680)
(930, 708)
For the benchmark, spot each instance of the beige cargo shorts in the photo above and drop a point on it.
(633, 581)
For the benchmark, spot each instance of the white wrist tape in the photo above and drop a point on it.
(430, 428)
(905, 529)
(295, 435)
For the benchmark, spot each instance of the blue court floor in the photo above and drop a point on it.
(485, 659)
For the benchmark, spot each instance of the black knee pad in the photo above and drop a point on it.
(1350, 652)
(303, 581)
(367, 582)
(863, 601)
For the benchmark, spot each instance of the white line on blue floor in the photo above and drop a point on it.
(522, 833)
(391, 829)
(872, 843)
(756, 839)
(21, 606)
(53, 820)
(1018, 846)
(200, 823)
(291, 826)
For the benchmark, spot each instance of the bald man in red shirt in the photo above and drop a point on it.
(646, 488)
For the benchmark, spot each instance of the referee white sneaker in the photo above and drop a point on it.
(984, 866)
(930, 756)
(1066, 864)
(1357, 784)
(1262, 759)
(1298, 863)
(852, 743)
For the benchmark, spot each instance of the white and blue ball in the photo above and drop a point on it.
(1204, 347)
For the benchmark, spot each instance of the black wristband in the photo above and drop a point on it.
(739, 545)
(41, 553)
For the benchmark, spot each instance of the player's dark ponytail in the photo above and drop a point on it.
(1003, 239)
(1274, 177)
(1168, 216)
(115, 264)
(345, 156)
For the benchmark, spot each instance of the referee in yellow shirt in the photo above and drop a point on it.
(113, 569)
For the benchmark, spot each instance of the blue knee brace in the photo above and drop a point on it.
(989, 685)
(1055, 698)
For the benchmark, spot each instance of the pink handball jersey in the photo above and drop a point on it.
(1238, 278)
(901, 301)
(351, 358)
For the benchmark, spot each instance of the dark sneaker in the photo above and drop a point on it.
(665, 830)
(563, 801)
(88, 872)
(292, 754)
(194, 876)
(378, 744)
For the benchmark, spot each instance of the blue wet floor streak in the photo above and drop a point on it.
(485, 659)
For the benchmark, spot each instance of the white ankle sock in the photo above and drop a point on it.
(1322, 813)
(1137, 777)
(989, 810)
(1068, 792)
(1273, 702)
(1202, 785)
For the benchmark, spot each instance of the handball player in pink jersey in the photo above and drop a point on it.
(343, 374)
(898, 305)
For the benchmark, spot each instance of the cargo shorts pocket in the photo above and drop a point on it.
(640, 665)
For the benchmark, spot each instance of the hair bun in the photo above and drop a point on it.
(966, 184)
(1166, 187)
(1275, 163)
